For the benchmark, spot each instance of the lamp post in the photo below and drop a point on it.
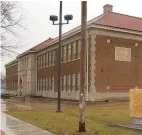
(54, 18)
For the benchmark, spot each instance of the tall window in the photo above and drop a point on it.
(43, 85)
(53, 57)
(64, 82)
(27, 63)
(78, 81)
(38, 62)
(47, 59)
(52, 84)
(64, 53)
(24, 64)
(74, 51)
(69, 82)
(16, 69)
(50, 58)
(43, 60)
(49, 83)
(46, 87)
(21, 65)
(40, 83)
(69, 52)
(73, 82)
(78, 49)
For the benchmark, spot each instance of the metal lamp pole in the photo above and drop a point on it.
(54, 18)
(59, 58)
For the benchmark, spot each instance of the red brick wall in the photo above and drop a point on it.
(120, 76)
(12, 77)
(66, 68)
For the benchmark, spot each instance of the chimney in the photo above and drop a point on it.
(108, 8)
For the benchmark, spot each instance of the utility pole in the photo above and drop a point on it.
(83, 66)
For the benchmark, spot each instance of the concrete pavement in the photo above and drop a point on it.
(14, 126)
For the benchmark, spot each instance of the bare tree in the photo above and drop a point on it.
(11, 18)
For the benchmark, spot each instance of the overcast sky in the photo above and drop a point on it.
(39, 28)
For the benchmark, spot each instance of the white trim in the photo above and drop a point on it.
(91, 25)
(116, 29)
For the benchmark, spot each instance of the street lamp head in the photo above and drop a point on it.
(53, 18)
(68, 17)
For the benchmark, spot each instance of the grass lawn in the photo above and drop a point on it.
(98, 118)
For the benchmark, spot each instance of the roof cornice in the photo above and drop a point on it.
(77, 30)
(116, 29)
(14, 61)
(24, 53)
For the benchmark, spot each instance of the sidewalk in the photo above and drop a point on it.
(14, 126)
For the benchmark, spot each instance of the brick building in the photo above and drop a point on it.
(114, 61)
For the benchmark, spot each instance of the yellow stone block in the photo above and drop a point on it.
(136, 103)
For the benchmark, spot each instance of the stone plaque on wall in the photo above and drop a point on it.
(123, 54)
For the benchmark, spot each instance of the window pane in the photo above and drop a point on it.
(52, 83)
(69, 52)
(78, 48)
(69, 82)
(39, 62)
(78, 81)
(44, 83)
(53, 57)
(64, 54)
(47, 84)
(49, 58)
(73, 82)
(74, 50)
(27, 63)
(64, 83)
(40, 83)
(43, 60)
